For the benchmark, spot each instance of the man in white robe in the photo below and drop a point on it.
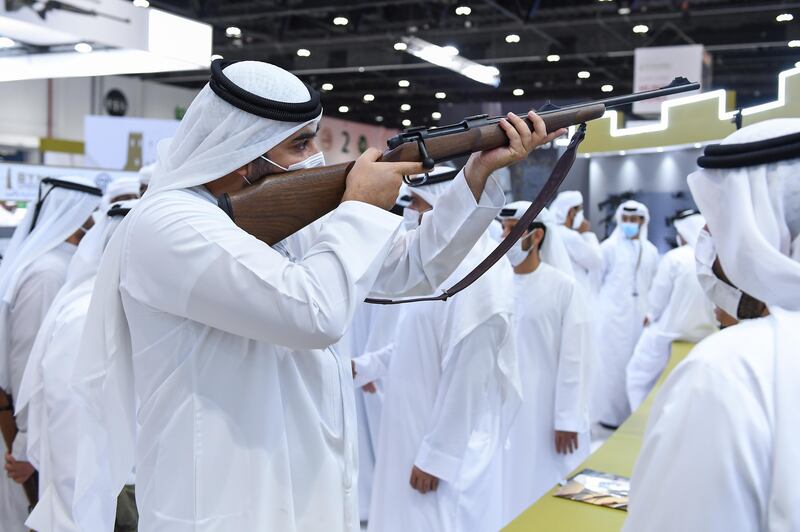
(629, 265)
(244, 417)
(581, 243)
(452, 388)
(53, 412)
(720, 453)
(679, 310)
(30, 277)
(550, 435)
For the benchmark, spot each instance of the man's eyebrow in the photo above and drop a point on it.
(305, 135)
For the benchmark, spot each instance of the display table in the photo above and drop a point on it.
(617, 456)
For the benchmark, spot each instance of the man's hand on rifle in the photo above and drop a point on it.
(377, 183)
(522, 141)
(18, 470)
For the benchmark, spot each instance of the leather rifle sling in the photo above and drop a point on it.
(545, 196)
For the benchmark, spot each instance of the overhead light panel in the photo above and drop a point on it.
(785, 17)
(340, 21)
(400, 46)
(794, 44)
(518, 92)
(405, 107)
(403, 83)
(607, 88)
(641, 28)
(512, 38)
(584, 74)
(443, 57)
(440, 95)
(369, 98)
(302, 52)
(463, 10)
(436, 115)
(553, 58)
(327, 86)
(343, 108)
(83, 48)
(406, 122)
(233, 32)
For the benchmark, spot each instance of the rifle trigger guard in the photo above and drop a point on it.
(427, 160)
(416, 181)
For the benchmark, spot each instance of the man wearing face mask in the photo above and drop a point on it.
(720, 452)
(550, 435)
(242, 415)
(31, 275)
(451, 388)
(678, 310)
(581, 243)
(629, 265)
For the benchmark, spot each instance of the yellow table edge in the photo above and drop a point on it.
(617, 455)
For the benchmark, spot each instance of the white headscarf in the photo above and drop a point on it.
(146, 173)
(640, 210)
(213, 139)
(689, 228)
(753, 215)
(83, 266)
(63, 212)
(122, 186)
(552, 250)
(564, 202)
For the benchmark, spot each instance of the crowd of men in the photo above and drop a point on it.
(241, 386)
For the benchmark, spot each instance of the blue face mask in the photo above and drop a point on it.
(630, 229)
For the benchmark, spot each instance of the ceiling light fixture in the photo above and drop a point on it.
(641, 28)
(785, 17)
(553, 58)
(340, 21)
(400, 46)
(624, 11)
(233, 32)
(327, 86)
(369, 98)
(405, 107)
(440, 95)
(441, 56)
(379, 118)
(794, 44)
(406, 122)
(607, 88)
(518, 92)
(584, 74)
(463, 10)
(302, 52)
(343, 108)
(403, 83)
(512, 38)
(436, 115)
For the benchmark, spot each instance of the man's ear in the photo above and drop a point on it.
(537, 235)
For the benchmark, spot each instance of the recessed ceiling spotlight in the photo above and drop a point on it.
(641, 28)
(436, 115)
(406, 122)
(512, 38)
(340, 21)
(518, 92)
(369, 97)
(400, 46)
(233, 32)
(403, 83)
(379, 118)
(440, 95)
(302, 52)
(584, 74)
(405, 107)
(463, 10)
(607, 88)
(785, 17)
(624, 11)
(327, 86)
(553, 58)
(343, 108)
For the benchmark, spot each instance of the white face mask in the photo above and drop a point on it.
(516, 255)
(719, 292)
(411, 219)
(577, 220)
(312, 161)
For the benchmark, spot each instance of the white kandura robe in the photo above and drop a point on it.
(36, 289)
(620, 317)
(706, 464)
(246, 417)
(446, 405)
(584, 254)
(56, 413)
(679, 310)
(553, 336)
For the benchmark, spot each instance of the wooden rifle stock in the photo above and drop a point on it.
(282, 204)
(8, 426)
